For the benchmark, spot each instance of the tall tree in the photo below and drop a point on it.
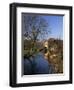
(35, 27)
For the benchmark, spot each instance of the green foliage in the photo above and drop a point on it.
(30, 48)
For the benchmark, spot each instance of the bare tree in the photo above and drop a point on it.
(35, 27)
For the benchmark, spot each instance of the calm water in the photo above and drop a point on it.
(37, 65)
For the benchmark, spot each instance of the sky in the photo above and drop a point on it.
(55, 25)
